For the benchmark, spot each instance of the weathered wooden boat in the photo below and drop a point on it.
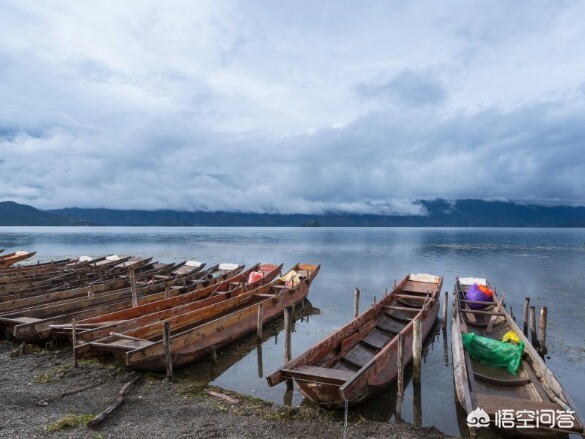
(127, 319)
(76, 278)
(532, 391)
(360, 359)
(195, 333)
(33, 324)
(12, 258)
(19, 274)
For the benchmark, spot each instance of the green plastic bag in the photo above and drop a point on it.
(494, 353)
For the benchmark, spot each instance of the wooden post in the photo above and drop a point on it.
(400, 362)
(385, 292)
(167, 348)
(374, 301)
(416, 350)
(417, 404)
(287, 340)
(260, 362)
(394, 283)
(287, 333)
(90, 292)
(133, 288)
(259, 321)
(445, 306)
(542, 331)
(356, 303)
(400, 378)
(526, 309)
(533, 335)
(213, 353)
(167, 291)
(74, 342)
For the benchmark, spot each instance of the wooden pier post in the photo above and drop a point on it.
(356, 303)
(213, 353)
(133, 288)
(445, 306)
(287, 340)
(542, 350)
(259, 322)
(260, 362)
(526, 309)
(416, 350)
(400, 377)
(74, 342)
(533, 334)
(167, 348)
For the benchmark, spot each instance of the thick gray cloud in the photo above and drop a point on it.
(290, 107)
(406, 88)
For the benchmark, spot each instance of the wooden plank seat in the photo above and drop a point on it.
(501, 382)
(358, 356)
(388, 325)
(412, 287)
(320, 374)
(377, 338)
(410, 297)
(398, 318)
(402, 308)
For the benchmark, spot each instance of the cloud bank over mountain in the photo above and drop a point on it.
(291, 107)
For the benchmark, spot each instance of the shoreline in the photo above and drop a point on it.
(40, 389)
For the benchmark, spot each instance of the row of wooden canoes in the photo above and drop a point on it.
(203, 309)
(359, 360)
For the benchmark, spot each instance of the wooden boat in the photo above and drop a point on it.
(12, 258)
(359, 360)
(477, 385)
(195, 333)
(33, 324)
(117, 322)
(75, 278)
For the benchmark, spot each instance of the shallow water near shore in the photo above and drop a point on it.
(545, 264)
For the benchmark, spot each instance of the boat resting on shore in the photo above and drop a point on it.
(479, 386)
(360, 359)
(193, 334)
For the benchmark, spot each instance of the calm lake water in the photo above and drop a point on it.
(545, 264)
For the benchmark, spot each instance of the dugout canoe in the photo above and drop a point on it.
(359, 360)
(478, 386)
(33, 324)
(12, 258)
(195, 333)
(117, 322)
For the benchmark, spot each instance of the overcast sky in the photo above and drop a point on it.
(291, 106)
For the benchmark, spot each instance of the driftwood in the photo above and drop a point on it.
(223, 396)
(46, 401)
(95, 422)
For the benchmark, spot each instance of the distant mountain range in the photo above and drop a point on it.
(441, 213)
